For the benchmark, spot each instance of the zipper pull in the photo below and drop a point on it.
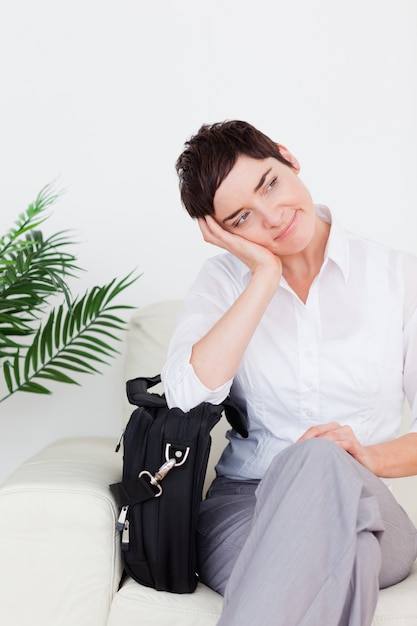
(125, 536)
(122, 518)
(119, 443)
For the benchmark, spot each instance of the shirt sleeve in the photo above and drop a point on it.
(410, 337)
(216, 288)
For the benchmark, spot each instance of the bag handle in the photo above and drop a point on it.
(138, 394)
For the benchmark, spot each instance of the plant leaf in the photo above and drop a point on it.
(76, 335)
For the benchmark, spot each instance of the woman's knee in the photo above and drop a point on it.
(315, 451)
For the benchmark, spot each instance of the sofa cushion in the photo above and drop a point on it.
(135, 604)
(397, 606)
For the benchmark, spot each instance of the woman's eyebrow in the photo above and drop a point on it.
(262, 180)
(258, 186)
(232, 216)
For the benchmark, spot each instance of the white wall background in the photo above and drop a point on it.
(101, 94)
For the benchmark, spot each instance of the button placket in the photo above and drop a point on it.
(308, 361)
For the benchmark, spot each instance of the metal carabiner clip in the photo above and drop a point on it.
(159, 475)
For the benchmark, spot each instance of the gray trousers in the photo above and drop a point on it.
(308, 545)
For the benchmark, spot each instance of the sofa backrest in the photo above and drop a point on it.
(148, 336)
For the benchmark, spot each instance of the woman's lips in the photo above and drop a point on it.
(288, 227)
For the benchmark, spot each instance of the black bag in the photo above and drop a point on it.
(164, 466)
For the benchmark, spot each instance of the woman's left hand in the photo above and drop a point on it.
(344, 437)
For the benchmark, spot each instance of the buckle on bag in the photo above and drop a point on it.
(159, 475)
(166, 467)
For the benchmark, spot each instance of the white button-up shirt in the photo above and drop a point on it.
(348, 354)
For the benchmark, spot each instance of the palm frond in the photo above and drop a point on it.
(75, 340)
(33, 268)
(77, 337)
(28, 220)
(37, 265)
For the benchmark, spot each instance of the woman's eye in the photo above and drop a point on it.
(272, 184)
(241, 219)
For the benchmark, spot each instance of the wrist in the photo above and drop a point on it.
(270, 272)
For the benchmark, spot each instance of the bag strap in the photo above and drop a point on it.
(236, 418)
(133, 491)
(136, 490)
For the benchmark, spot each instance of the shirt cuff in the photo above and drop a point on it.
(184, 389)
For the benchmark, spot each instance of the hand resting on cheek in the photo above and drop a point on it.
(253, 255)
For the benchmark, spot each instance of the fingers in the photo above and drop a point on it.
(341, 435)
(319, 430)
(211, 231)
(252, 254)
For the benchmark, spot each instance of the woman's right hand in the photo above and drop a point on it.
(253, 255)
(216, 357)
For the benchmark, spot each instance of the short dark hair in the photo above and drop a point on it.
(209, 156)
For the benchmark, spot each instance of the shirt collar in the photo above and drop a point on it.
(337, 248)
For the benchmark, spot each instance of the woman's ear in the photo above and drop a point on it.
(289, 157)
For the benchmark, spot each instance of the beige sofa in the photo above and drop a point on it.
(60, 556)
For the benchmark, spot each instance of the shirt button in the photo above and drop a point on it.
(309, 383)
(309, 413)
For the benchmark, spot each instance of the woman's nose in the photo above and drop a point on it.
(271, 215)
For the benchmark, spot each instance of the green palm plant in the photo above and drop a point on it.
(39, 341)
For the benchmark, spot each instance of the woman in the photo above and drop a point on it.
(313, 331)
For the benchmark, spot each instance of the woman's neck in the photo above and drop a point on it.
(299, 270)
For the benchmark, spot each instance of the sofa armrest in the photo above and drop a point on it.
(60, 560)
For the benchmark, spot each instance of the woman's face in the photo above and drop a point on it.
(265, 201)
